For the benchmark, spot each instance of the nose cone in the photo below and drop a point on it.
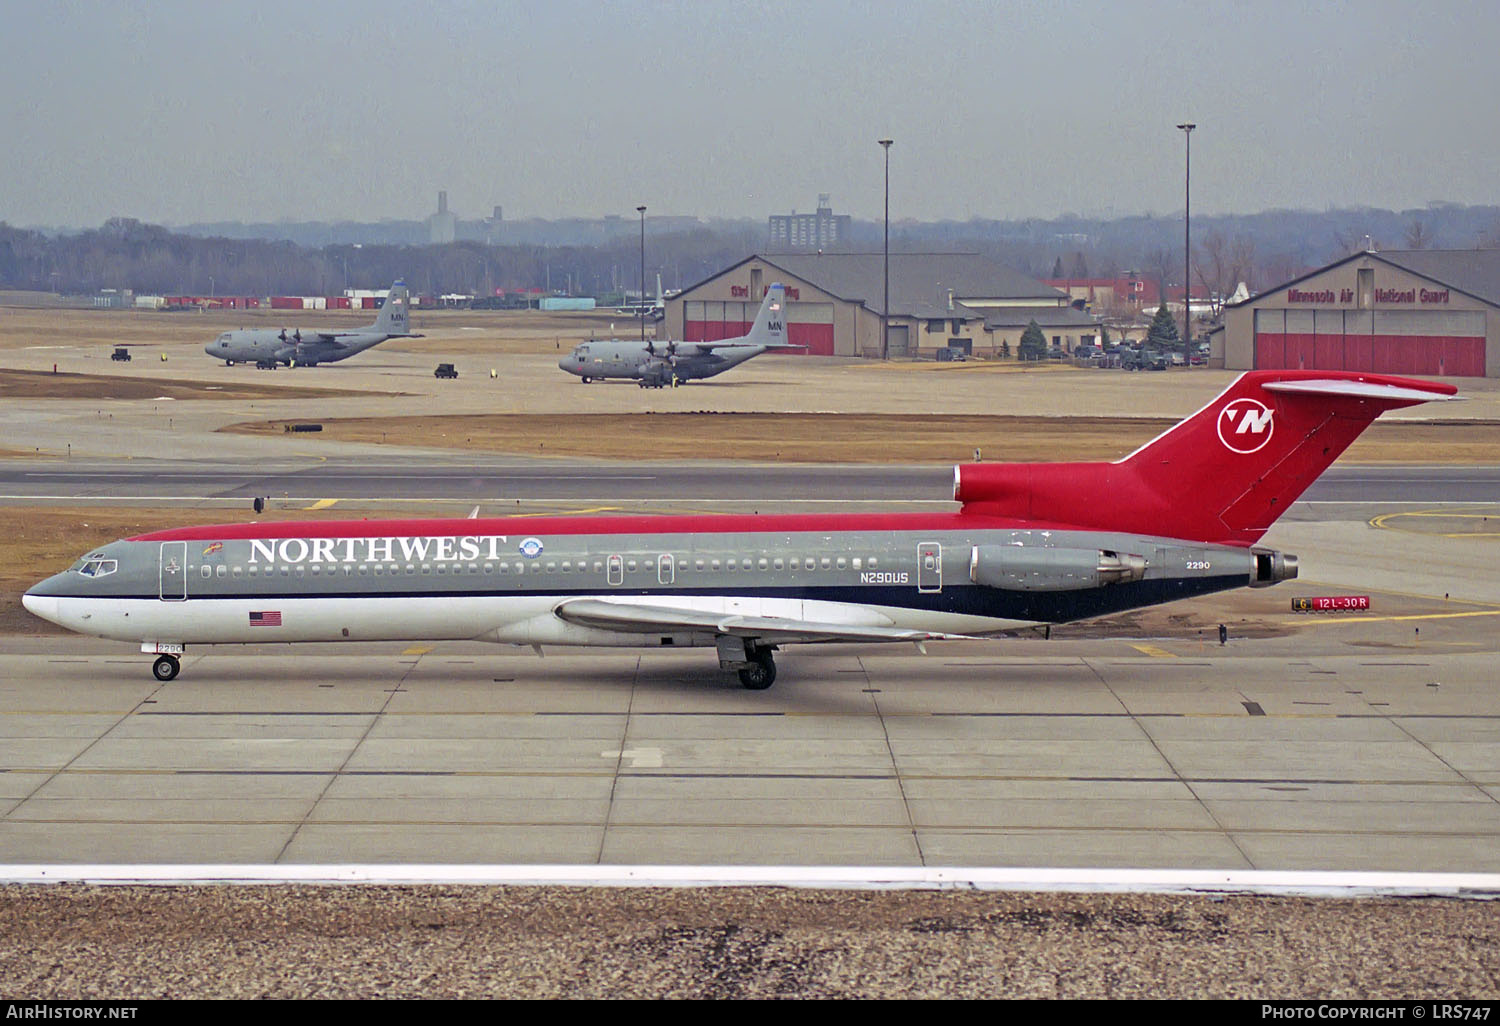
(209, 349)
(52, 586)
(568, 364)
(42, 601)
(44, 606)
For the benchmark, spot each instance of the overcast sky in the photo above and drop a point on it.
(181, 112)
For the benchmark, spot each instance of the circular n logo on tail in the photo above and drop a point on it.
(1245, 425)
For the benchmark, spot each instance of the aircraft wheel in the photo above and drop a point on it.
(165, 668)
(761, 673)
(585, 381)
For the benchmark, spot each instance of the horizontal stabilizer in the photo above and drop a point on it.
(1364, 390)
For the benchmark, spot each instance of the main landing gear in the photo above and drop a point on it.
(750, 658)
(760, 672)
(166, 667)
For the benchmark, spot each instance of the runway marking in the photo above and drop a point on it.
(640, 758)
(417, 650)
(1154, 652)
(322, 504)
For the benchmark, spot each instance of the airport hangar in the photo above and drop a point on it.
(1430, 312)
(938, 301)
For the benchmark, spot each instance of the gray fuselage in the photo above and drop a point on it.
(629, 358)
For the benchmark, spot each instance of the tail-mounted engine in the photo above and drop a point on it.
(1028, 568)
(1272, 566)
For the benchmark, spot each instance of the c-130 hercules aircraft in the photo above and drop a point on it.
(657, 364)
(1032, 543)
(297, 348)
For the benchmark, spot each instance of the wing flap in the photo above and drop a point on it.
(628, 617)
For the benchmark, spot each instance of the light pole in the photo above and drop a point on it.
(642, 212)
(885, 306)
(1187, 237)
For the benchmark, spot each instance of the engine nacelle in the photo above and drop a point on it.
(1272, 566)
(1034, 568)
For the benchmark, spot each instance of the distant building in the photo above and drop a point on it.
(442, 227)
(1129, 293)
(1434, 312)
(823, 230)
(939, 301)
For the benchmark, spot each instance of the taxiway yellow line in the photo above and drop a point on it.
(1389, 619)
(1380, 523)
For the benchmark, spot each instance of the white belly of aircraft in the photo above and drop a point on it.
(503, 619)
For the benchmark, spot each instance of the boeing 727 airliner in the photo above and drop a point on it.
(1031, 543)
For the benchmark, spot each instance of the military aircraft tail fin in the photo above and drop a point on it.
(395, 316)
(769, 328)
(1223, 475)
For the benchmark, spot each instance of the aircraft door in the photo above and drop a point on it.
(664, 568)
(173, 571)
(616, 570)
(929, 567)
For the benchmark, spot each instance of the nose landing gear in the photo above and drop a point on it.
(165, 668)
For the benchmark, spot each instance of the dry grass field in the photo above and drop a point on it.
(455, 331)
(42, 385)
(850, 437)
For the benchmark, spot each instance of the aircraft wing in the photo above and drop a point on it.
(628, 617)
(336, 338)
(731, 343)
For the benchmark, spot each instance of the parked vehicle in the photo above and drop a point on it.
(445, 370)
(120, 353)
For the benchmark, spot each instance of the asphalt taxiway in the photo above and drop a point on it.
(1364, 742)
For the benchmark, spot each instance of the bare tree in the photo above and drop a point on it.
(1418, 235)
(1220, 264)
(1159, 264)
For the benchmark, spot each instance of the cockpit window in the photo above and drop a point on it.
(99, 567)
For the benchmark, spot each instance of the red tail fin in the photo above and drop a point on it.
(1223, 475)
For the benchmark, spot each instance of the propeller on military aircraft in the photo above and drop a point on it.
(282, 336)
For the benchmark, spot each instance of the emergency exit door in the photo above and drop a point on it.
(173, 571)
(929, 567)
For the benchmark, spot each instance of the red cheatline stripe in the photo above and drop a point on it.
(555, 526)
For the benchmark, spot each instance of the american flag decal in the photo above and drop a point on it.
(268, 619)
